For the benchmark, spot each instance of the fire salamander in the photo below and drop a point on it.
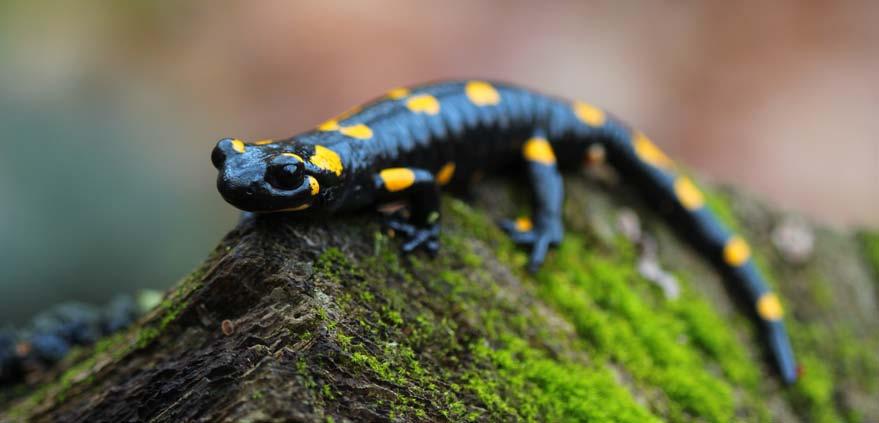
(411, 142)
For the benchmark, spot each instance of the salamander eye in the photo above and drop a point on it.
(285, 176)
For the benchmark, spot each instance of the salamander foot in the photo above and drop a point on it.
(415, 237)
(539, 236)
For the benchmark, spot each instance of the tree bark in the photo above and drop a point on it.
(292, 320)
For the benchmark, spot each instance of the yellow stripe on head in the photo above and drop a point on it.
(482, 93)
(314, 185)
(589, 114)
(238, 145)
(359, 131)
(445, 174)
(397, 178)
(424, 103)
(769, 308)
(688, 194)
(538, 150)
(263, 142)
(736, 252)
(650, 153)
(327, 159)
(398, 93)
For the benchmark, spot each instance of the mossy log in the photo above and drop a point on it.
(292, 320)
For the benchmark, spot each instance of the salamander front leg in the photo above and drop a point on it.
(545, 229)
(418, 187)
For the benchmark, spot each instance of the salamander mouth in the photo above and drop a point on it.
(262, 197)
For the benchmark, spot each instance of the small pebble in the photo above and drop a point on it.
(629, 224)
(595, 155)
(228, 327)
(648, 260)
(794, 239)
(651, 270)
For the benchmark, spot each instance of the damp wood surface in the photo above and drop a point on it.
(290, 320)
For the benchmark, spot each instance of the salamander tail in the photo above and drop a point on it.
(663, 183)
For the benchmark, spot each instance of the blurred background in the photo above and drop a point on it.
(109, 110)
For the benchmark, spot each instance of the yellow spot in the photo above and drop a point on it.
(482, 93)
(330, 125)
(589, 114)
(538, 150)
(688, 194)
(397, 178)
(327, 159)
(768, 307)
(424, 103)
(445, 174)
(238, 145)
(264, 142)
(359, 131)
(736, 252)
(650, 153)
(315, 186)
(523, 224)
(398, 93)
(293, 155)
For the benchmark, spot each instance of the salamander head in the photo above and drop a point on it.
(275, 177)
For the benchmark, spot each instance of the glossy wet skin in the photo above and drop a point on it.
(263, 178)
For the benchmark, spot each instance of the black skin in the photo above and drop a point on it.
(397, 147)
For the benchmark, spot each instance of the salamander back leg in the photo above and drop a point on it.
(545, 228)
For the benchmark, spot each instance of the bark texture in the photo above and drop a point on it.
(323, 321)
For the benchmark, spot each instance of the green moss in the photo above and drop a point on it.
(527, 383)
(146, 337)
(381, 368)
(870, 245)
(655, 345)
(820, 292)
(831, 356)
(721, 345)
(170, 308)
(335, 264)
(81, 372)
(682, 348)
(507, 370)
(815, 392)
(517, 380)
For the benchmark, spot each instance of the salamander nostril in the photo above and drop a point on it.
(285, 176)
(226, 147)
